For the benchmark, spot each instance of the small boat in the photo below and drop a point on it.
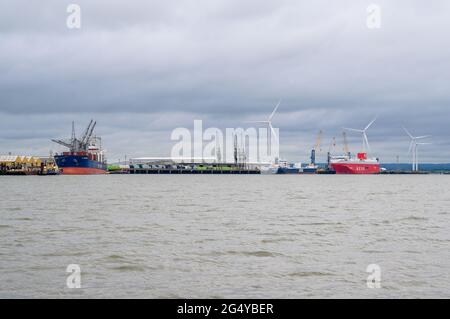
(288, 168)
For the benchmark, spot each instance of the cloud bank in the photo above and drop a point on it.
(143, 68)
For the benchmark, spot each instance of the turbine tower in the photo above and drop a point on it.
(414, 148)
(365, 140)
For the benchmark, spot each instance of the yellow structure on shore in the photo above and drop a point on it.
(20, 164)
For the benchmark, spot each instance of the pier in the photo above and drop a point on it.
(189, 171)
(408, 172)
(167, 166)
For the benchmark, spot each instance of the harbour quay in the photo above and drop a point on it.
(194, 167)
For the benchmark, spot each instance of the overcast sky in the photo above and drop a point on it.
(143, 68)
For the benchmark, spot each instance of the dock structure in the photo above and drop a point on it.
(393, 172)
(190, 171)
(167, 166)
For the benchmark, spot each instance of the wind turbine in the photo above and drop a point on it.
(417, 154)
(414, 148)
(268, 122)
(366, 146)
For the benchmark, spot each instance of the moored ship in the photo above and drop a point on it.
(281, 167)
(310, 169)
(85, 155)
(347, 164)
(361, 164)
(288, 168)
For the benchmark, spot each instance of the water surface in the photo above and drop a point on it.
(190, 236)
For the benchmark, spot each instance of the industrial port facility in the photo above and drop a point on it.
(85, 156)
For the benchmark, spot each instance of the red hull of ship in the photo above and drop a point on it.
(81, 171)
(342, 168)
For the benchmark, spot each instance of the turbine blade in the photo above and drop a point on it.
(353, 129)
(407, 132)
(274, 110)
(255, 122)
(420, 137)
(370, 124)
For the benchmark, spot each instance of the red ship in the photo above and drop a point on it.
(347, 164)
(350, 165)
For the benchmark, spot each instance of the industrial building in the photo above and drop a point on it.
(25, 165)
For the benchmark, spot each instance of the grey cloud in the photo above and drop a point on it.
(145, 67)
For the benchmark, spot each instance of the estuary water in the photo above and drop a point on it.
(211, 236)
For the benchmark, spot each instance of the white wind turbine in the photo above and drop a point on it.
(414, 148)
(268, 122)
(365, 142)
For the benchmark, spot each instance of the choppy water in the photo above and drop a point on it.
(190, 236)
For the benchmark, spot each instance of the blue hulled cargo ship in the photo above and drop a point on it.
(85, 156)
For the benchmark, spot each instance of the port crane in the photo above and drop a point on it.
(315, 148)
(332, 146)
(78, 145)
(346, 148)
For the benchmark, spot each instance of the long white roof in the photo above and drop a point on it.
(8, 158)
(14, 158)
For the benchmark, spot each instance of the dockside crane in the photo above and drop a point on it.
(85, 136)
(78, 145)
(63, 143)
(346, 148)
(315, 148)
(89, 135)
